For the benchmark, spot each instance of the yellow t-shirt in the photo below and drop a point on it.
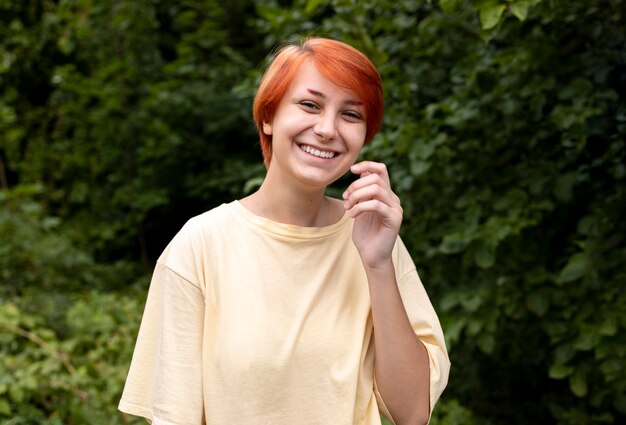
(249, 321)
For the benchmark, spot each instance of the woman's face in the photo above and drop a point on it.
(318, 130)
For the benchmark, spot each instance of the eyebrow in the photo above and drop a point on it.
(323, 96)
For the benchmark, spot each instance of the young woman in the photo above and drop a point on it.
(290, 307)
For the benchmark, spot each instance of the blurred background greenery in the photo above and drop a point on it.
(504, 133)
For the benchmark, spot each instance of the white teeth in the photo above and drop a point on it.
(315, 152)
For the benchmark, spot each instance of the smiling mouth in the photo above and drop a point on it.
(316, 152)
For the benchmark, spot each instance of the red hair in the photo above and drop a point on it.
(340, 63)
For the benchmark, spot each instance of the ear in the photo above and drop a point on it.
(267, 128)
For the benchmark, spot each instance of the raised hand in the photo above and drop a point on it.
(377, 213)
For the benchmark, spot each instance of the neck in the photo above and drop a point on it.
(284, 205)
(289, 201)
(292, 205)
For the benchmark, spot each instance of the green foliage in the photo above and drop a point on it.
(74, 377)
(129, 114)
(504, 133)
(41, 256)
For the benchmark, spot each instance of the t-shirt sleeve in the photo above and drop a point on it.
(425, 323)
(164, 383)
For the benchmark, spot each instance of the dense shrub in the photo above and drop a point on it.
(504, 131)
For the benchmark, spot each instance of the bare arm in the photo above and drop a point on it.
(402, 364)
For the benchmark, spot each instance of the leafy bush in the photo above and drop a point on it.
(74, 377)
(504, 134)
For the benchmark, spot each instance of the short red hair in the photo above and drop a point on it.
(342, 64)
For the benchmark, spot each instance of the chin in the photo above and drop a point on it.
(318, 182)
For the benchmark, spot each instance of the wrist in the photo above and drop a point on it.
(381, 268)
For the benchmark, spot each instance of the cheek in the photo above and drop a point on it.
(353, 134)
(358, 137)
(290, 125)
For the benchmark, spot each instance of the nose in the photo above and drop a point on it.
(325, 128)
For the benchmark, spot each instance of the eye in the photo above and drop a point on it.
(307, 104)
(353, 116)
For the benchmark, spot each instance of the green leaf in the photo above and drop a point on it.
(560, 371)
(520, 9)
(5, 407)
(564, 353)
(538, 303)
(578, 382)
(490, 14)
(563, 189)
(471, 303)
(450, 300)
(419, 167)
(453, 331)
(453, 244)
(486, 343)
(485, 255)
(252, 184)
(9, 314)
(585, 224)
(17, 394)
(575, 268)
(608, 327)
(312, 6)
(449, 6)
(587, 340)
(611, 367)
(474, 326)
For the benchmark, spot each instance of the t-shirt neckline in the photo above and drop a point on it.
(289, 230)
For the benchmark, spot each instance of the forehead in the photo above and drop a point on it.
(309, 79)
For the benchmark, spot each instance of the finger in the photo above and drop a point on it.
(372, 168)
(390, 217)
(370, 192)
(366, 180)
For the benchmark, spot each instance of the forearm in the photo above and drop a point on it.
(401, 365)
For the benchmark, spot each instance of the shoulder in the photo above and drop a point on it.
(207, 222)
(199, 233)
